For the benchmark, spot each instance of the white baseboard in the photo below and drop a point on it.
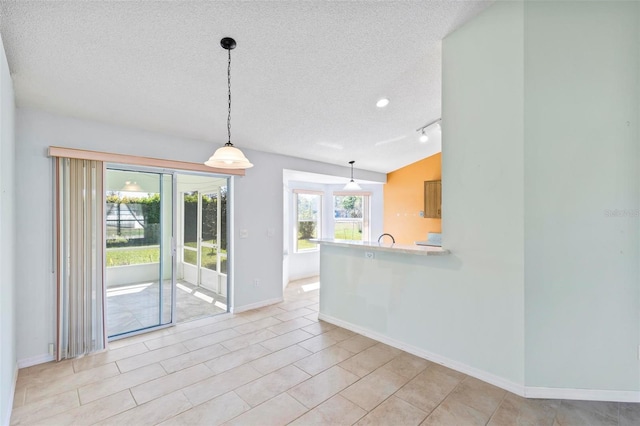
(458, 366)
(262, 304)
(35, 360)
(518, 389)
(12, 395)
(582, 394)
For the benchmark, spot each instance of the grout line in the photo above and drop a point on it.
(498, 406)
(443, 399)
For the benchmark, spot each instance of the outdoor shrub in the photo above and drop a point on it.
(306, 230)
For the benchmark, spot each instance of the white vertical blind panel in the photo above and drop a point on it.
(81, 325)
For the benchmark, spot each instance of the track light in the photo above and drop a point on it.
(423, 130)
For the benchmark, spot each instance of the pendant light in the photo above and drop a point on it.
(352, 185)
(228, 156)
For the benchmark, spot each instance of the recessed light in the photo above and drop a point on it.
(382, 103)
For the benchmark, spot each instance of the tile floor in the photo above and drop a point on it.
(135, 306)
(274, 366)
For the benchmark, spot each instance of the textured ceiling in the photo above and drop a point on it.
(305, 75)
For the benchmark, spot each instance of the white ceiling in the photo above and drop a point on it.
(305, 75)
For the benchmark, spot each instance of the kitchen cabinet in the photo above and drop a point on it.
(433, 199)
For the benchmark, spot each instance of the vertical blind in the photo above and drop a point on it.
(80, 203)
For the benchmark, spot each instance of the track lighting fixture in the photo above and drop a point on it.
(423, 130)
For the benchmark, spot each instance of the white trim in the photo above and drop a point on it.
(582, 394)
(518, 389)
(356, 193)
(108, 157)
(35, 360)
(238, 309)
(307, 191)
(12, 395)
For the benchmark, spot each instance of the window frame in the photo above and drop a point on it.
(366, 211)
(318, 221)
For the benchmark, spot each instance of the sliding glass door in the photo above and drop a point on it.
(139, 256)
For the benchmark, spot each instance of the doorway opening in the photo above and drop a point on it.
(203, 252)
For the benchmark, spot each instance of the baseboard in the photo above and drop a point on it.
(527, 392)
(12, 395)
(438, 359)
(35, 360)
(582, 394)
(262, 304)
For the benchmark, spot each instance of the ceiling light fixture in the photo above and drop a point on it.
(352, 185)
(382, 103)
(423, 130)
(228, 156)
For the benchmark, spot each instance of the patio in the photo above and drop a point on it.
(135, 306)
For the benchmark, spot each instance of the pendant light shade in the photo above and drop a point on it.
(352, 185)
(228, 156)
(131, 187)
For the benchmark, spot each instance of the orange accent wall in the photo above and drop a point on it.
(404, 199)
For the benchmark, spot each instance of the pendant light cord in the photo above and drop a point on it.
(229, 91)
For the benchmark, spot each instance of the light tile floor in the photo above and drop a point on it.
(274, 366)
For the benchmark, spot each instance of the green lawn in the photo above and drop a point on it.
(151, 254)
(209, 258)
(306, 244)
(132, 255)
(347, 231)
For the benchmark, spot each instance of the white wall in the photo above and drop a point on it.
(582, 158)
(257, 196)
(535, 171)
(132, 274)
(8, 283)
(541, 145)
(467, 308)
(482, 195)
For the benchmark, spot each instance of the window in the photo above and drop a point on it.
(351, 216)
(308, 213)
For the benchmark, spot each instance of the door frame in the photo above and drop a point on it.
(172, 247)
(222, 285)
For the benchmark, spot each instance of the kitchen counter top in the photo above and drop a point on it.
(393, 248)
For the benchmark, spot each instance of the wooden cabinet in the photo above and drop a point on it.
(433, 199)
